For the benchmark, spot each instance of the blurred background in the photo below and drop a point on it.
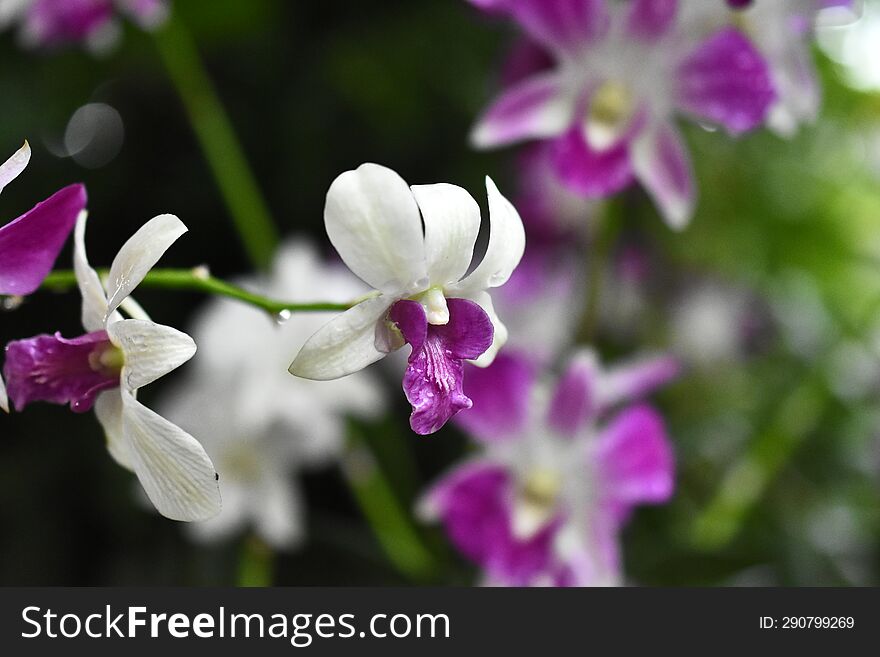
(771, 297)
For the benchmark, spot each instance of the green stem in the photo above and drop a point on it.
(390, 523)
(256, 563)
(218, 142)
(199, 280)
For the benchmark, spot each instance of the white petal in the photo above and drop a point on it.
(94, 301)
(346, 344)
(172, 466)
(151, 350)
(12, 167)
(373, 222)
(108, 409)
(507, 242)
(278, 517)
(499, 338)
(230, 521)
(138, 255)
(4, 400)
(452, 223)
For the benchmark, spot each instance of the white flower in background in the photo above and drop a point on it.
(105, 368)
(260, 424)
(415, 246)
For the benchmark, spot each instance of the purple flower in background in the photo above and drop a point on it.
(52, 23)
(781, 30)
(620, 74)
(415, 246)
(559, 473)
(30, 244)
(105, 368)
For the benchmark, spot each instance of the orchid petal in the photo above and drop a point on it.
(4, 400)
(108, 409)
(373, 221)
(634, 380)
(452, 223)
(574, 400)
(662, 165)
(727, 81)
(12, 168)
(501, 394)
(588, 172)
(139, 254)
(172, 466)
(31, 243)
(651, 19)
(538, 107)
(151, 350)
(563, 26)
(507, 243)
(635, 461)
(346, 344)
(499, 337)
(94, 299)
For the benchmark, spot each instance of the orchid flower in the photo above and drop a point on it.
(105, 368)
(619, 74)
(30, 244)
(781, 30)
(559, 473)
(259, 424)
(51, 23)
(414, 246)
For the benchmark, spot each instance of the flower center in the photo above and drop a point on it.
(610, 111)
(536, 501)
(436, 309)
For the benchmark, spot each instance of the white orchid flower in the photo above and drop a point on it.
(105, 368)
(415, 246)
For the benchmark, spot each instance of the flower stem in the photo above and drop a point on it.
(603, 242)
(390, 523)
(199, 280)
(219, 144)
(255, 566)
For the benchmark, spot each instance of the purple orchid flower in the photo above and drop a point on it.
(619, 75)
(545, 500)
(52, 23)
(30, 244)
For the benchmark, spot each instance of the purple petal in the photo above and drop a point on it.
(587, 172)
(147, 13)
(501, 394)
(574, 400)
(661, 163)
(472, 502)
(651, 19)
(637, 379)
(433, 378)
(635, 462)
(532, 108)
(525, 59)
(726, 81)
(53, 369)
(56, 22)
(562, 26)
(30, 244)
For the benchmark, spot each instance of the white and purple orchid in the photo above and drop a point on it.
(415, 246)
(52, 23)
(104, 369)
(544, 501)
(781, 30)
(618, 75)
(30, 244)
